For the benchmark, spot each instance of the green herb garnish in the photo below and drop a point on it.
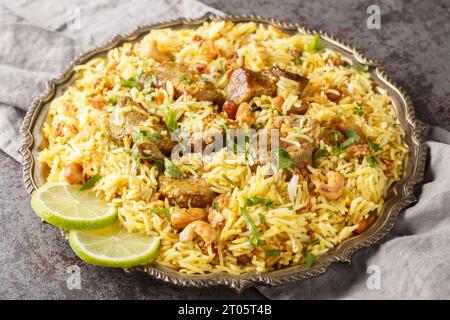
(112, 101)
(131, 82)
(203, 80)
(228, 179)
(359, 110)
(298, 60)
(319, 153)
(284, 159)
(253, 238)
(159, 165)
(136, 155)
(371, 161)
(148, 82)
(310, 258)
(362, 68)
(262, 217)
(258, 201)
(216, 206)
(315, 45)
(273, 253)
(315, 241)
(164, 211)
(91, 182)
(172, 170)
(222, 67)
(335, 135)
(352, 138)
(373, 146)
(171, 122)
(142, 135)
(184, 79)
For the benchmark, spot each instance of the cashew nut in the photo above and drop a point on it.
(203, 229)
(244, 114)
(73, 173)
(182, 217)
(334, 187)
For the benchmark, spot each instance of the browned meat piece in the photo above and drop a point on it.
(148, 151)
(186, 81)
(119, 132)
(165, 142)
(300, 108)
(302, 156)
(135, 118)
(276, 72)
(245, 84)
(194, 192)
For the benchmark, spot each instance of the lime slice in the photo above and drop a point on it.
(65, 206)
(113, 247)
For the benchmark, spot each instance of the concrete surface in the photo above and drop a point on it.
(413, 44)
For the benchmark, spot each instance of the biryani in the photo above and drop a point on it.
(160, 122)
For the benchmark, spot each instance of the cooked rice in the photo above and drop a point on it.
(77, 131)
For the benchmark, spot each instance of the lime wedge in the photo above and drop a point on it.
(65, 206)
(113, 247)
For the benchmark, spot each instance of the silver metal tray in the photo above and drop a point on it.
(402, 192)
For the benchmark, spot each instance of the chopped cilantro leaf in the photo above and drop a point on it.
(310, 258)
(273, 253)
(373, 146)
(284, 159)
(253, 238)
(172, 170)
(315, 45)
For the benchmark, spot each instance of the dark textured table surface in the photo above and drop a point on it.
(413, 44)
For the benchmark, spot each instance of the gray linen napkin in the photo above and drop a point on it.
(38, 39)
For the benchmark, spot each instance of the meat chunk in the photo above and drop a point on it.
(194, 192)
(148, 151)
(164, 141)
(186, 81)
(120, 129)
(276, 73)
(301, 156)
(245, 84)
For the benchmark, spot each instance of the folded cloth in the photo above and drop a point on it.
(412, 262)
(40, 38)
